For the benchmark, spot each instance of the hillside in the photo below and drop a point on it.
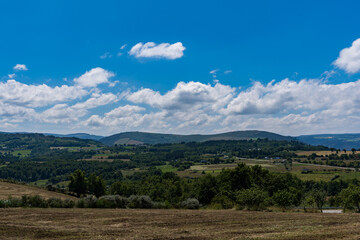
(338, 141)
(135, 138)
(38, 140)
(76, 135)
(17, 190)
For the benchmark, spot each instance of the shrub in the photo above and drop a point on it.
(90, 201)
(221, 201)
(253, 198)
(143, 201)
(55, 203)
(190, 203)
(68, 203)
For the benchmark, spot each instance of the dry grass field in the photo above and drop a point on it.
(22, 223)
(17, 190)
(324, 153)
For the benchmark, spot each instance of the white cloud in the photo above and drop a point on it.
(125, 117)
(123, 46)
(12, 75)
(349, 58)
(20, 67)
(63, 113)
(185, 96)
(106, 55)
(16, 93)
(94, 77)
(286, 96)
(213, 72)
(227, 71)
(162, 50)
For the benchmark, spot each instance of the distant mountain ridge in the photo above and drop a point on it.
(339, 141)
(76, 135)
(158, 138)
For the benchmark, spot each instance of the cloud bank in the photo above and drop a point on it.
(92, 103)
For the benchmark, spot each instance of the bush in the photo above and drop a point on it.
(283, 199)
(55, 203)
(190, 203)
(33, 201)
(253, 198)
(90, 201)
(80, 203)
(221, 201)
(68, 203)
(143, 201)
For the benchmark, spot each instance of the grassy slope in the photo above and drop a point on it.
(173, 224)
(17, 190)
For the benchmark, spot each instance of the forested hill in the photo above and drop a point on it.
(338, 141)
(158, 138)
(37, 140)
(76, 135)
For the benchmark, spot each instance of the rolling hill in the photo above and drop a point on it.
(76, 135)
(136, 138)
(18, 190)
(338, 141)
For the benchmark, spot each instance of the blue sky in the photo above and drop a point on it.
(113, 66)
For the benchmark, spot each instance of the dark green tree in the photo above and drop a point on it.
(78, 182)
(96, 185)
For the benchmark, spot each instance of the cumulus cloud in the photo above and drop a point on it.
(125, 117)
(349, 58)
(94, 77)
(185, 96)
(162, 50)
(63, 113)
(287, 95)
(20, 67)
(16, 93)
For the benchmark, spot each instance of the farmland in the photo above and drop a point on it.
(17, 190)
(20, 223)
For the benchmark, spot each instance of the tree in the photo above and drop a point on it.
(320, 198)
(350, 197)
(253, 198)
(78, 182)
(283, 198)
(96, 185)
(353, 150)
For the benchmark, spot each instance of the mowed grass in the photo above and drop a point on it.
(27, 223)
(18, 190)
(319, 153)
(167, 168)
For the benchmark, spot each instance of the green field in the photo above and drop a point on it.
(21, 153)
(167, 168)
